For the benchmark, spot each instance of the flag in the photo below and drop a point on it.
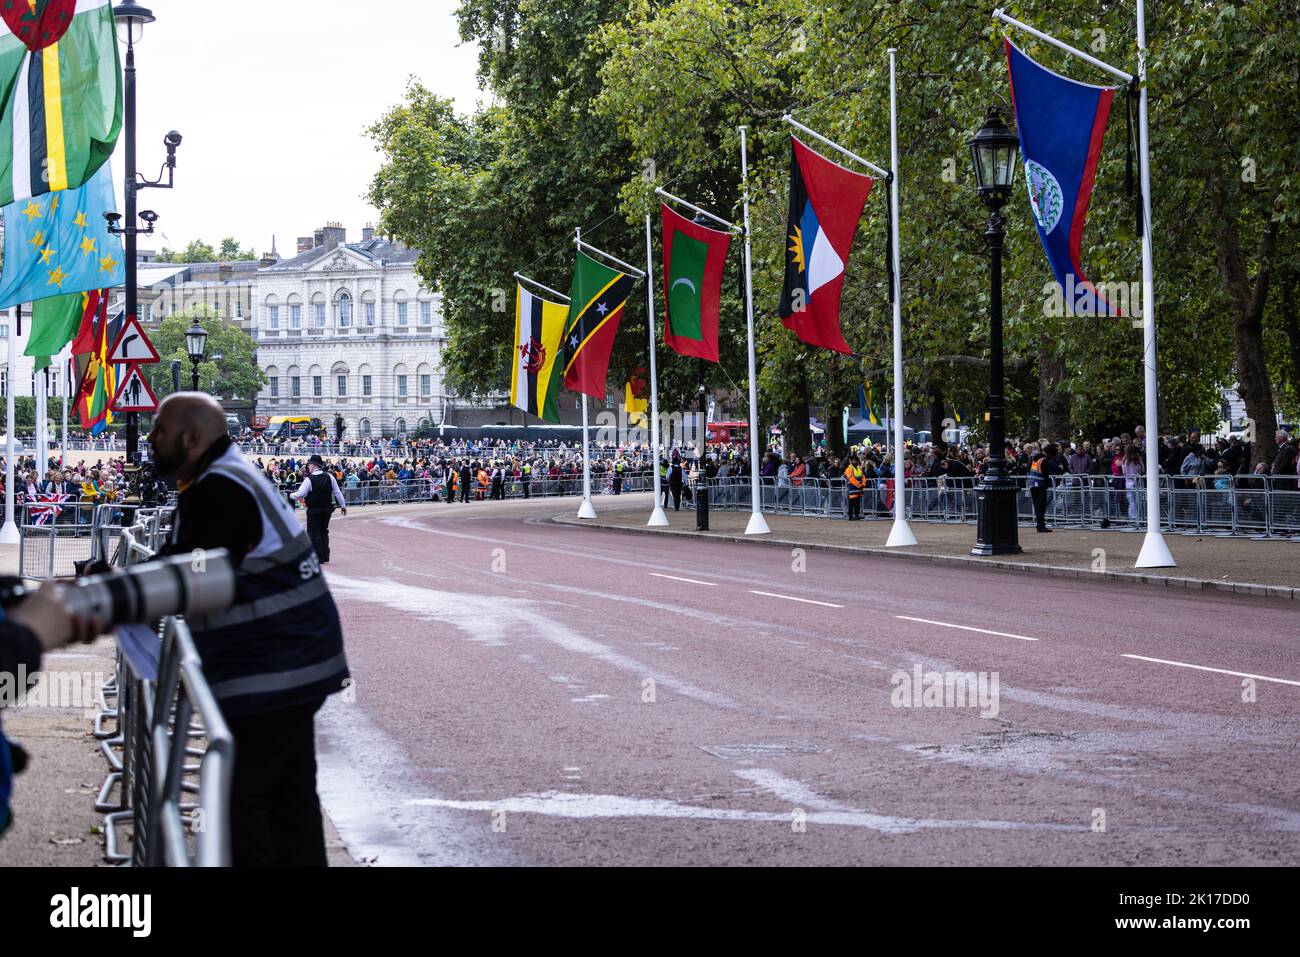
(60, 94)
(99, 385)
(868, 408)
(1061, 124)
(694, 257)
(826, 202)
(56, 320)
(539, 328)
(595, 306)
(636, 399)
(60, 243)
(48, 510)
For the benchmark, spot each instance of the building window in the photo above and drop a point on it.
(401, 387)
(401, 314)
(343, 385)
(365, 385)
(365, 428)
(295, 387)
(401, 426)
(426, 385)
(239, 309)
(4, 331)
(273, 316)
(295, 317)
(345, 311)
(370, 313)
(275, 387)
(146, 313)
(320, 315)
(426, 313)
(316, 386)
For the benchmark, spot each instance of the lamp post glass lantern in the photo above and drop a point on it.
(196, 338)
(995, 153)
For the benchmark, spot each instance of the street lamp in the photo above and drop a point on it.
(131, 20)
(994, 150)
(196, 337)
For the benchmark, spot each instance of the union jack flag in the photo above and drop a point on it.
(49, 509)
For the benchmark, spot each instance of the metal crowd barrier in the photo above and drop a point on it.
(1257, 506)
(176, 762)
(426, 490)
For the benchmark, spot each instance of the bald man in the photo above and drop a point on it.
(275, 654)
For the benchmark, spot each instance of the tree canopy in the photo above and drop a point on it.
(228, 369)
(200, 252)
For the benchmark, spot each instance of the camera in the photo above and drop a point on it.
(178, 585)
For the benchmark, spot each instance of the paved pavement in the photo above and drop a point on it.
(533, 693)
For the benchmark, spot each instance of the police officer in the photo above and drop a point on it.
(498, 481)
(274, 655)
(619, 467)
(466, 480)
(320, 491)
(526, 475)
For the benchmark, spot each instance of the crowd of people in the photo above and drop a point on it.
(96, 484)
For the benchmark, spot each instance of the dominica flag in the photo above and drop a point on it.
(60, 244)
(826, 201)
(694, 258)
(539, 328)
(60, 94)
(596, 303)
(1061, 124)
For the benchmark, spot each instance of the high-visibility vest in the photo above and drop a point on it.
(855, 477)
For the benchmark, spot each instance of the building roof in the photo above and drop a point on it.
(381, 252)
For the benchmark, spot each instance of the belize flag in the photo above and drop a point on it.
(826, 203)
(1061, 124)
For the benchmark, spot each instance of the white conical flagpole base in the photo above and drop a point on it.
(757, 525)
(9, 534)
(1155, 553)
(658, 518)
(900, 535)
(587, 510)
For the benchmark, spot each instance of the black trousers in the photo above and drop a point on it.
(855, 506)
(275, 817)
(318, 530)
(618, 484)
(675, 488)
(527, 489)
(1039, 494)
(464, 490)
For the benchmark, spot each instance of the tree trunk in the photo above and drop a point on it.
(1246, 303)
(1053, 401)
(1291, 325)
(795, 431)
(936, 410)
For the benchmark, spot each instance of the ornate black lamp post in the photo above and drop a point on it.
(196, 337)
(995, 150)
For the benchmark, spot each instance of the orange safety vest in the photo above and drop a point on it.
(856, 479)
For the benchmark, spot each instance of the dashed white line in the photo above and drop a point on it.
(1222, 671)
(693, 581)
(806, 601)
(982, 631)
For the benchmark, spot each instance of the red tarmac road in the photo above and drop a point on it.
(527, 693)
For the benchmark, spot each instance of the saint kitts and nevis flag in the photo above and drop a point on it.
(596, 302)
(1061, 124)
(694, 258)
(826, 201)
(60, 94)
(539, 330)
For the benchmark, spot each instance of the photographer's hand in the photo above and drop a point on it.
(46, 614)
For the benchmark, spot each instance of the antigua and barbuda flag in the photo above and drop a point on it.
(826, 201)
(595, 308)
(1061, 124)
(535, 380)
(60, 94)
(59, 243)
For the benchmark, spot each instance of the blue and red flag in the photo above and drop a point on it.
(1061, 124)
(826, 203)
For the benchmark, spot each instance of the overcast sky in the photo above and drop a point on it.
(272, 100)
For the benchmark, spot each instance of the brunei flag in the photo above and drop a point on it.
(595, 308)
(539, 328)
(826, 202)
(99, 382)
(694, 257)
(60, 94)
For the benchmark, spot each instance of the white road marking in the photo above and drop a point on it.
(692, 581)
(1222, 671)
(806, 601)
(982, 631)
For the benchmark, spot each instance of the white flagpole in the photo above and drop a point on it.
(1155, 551)
(586, 510)
(658, 517)
(757, 523)
(39, 409)
(64, 372)
(901, 533)
(9, 533)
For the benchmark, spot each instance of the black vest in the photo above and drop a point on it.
(321, 494)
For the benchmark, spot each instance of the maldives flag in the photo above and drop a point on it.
(1061, 124)
(694, 257)
(595, 307)
(826, 201)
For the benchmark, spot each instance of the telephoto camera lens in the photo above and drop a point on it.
(179, 585)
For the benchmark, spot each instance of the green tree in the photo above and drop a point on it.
(200, 252)
(228, 370)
